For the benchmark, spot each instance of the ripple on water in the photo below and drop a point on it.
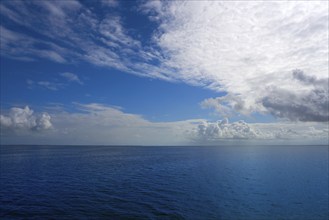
(163, 183)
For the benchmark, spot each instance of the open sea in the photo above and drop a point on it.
(109, 182)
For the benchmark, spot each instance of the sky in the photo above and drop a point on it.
(164, 72)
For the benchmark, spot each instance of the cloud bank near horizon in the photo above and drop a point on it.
(100, 124)
(214, 132)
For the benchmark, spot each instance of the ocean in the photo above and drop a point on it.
(138, 182)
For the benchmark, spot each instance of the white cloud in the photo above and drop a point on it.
(114, 34)
(54, 86)
(43, 121)
(247, 49)
(20, 46)
(225, 130)
(48, 85)
(110, 3)
(52, 55)
(72, 77)
(307, 102)
(308, 105)
(95, 123)
(58, 8)
(221, 131)
(78, 33)
(5, 121)
(103, 124)
(25, 119)
(225, 105)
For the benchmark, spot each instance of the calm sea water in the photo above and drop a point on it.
(226, 182)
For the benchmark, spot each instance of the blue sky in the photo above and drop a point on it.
(152, 98)
(156, 72)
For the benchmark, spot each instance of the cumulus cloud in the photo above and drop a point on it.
(222, 130)
(225, 130)
(309, 80)
(311, 105)
(25, 119)
(43, 121)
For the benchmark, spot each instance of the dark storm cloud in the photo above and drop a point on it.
(309, 80)
(300, 106)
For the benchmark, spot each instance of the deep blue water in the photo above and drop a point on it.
(225, 182)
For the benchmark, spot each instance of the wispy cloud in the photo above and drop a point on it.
(246, 49)
(58, 9)
(77, 33)
(71, 77)
(56, 83)
(21, 47)
(45, 84)
(110, 3)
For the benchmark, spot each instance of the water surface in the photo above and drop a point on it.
(224, 182)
